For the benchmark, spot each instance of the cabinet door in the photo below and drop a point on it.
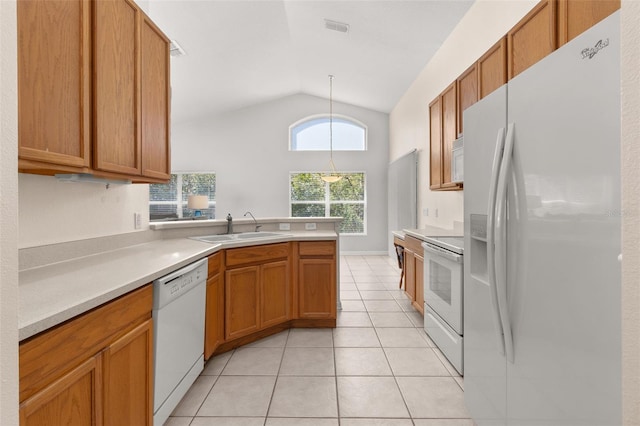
(492, 68)
(116, 87)
(54, 104)
(533, 38)
(576, 16)
(410, 274)
(128, 378)
(419, 268)
(155, 101)
(214, 317)
(274, 293)
(435, 143)
(317, 288)
(73, 399)
(241, 302)
(449, 132)
(467, 88)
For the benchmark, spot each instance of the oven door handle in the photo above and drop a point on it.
(442, 252)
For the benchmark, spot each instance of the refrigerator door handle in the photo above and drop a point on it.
(491, 229)
(501, 241)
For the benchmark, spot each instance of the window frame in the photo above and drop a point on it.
(328, 202)
(327, 116)
(181, 205)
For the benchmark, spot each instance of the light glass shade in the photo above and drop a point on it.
(198, 202)
(330, 178)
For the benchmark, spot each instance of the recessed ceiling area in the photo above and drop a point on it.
(241, 53)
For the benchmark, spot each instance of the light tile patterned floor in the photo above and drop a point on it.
(377, 368)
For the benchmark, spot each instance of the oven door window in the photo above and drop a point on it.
(443, 288)
(439, 281)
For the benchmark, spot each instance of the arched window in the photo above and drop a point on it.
(312, 134)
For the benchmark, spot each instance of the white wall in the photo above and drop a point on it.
(249, 151)
(483, 25)
(54, 212)
(8, 216)
(630, 78)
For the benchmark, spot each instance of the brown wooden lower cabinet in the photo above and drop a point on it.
(242, 294)
(214, 313)
(128, 378)
(214, 318)
(257, 296)
(414, 272)
(317, 288)
(275, 299)
(95, 369)
(75, 398)
(317, 280)
(410, 273)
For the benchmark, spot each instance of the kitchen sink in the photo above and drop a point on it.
(241, 236)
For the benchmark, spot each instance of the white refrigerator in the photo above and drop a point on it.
(542, 213)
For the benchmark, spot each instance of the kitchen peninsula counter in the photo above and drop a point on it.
(54, 293)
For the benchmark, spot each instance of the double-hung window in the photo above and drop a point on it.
(169, 201)
(310, 196)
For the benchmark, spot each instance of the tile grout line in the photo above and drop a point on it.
(275, 382)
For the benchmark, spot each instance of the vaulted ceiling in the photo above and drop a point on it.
(242, 52)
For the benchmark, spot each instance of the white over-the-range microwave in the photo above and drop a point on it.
(457, 163)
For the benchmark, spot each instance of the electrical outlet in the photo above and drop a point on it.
(137, 220)
(311, 226)
(436, 213)
(285, 227)
(425, 212)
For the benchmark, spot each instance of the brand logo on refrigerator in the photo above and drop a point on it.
(590, 52)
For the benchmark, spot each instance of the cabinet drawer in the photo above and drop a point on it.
(48, 355)
(256, 254)
(215, 264)
(317, 248)
(413, 244)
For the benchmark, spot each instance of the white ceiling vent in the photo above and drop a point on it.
(336, 26)
(176, 50)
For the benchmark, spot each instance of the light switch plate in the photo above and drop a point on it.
(137, 220)
(285, 227)
(310, 226)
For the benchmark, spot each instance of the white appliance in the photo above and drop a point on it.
(542, 238)
(178, 335)
(443, 291)
(457, 160)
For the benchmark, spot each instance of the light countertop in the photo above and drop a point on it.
(52, 294)
(433, 231)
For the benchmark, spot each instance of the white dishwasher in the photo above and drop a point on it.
(178, 335)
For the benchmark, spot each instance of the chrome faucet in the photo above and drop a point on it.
(254, 219)
(229, 224)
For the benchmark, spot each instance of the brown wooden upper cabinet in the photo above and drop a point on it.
(443, 131)
(467, 91)
(435, 138)
(533, 38)
(93, 90)
(54, 82)
(574, 17)
(116, 87)
(155, 94)
(492, 68)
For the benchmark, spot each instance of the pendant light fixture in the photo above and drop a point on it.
(332, 176)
